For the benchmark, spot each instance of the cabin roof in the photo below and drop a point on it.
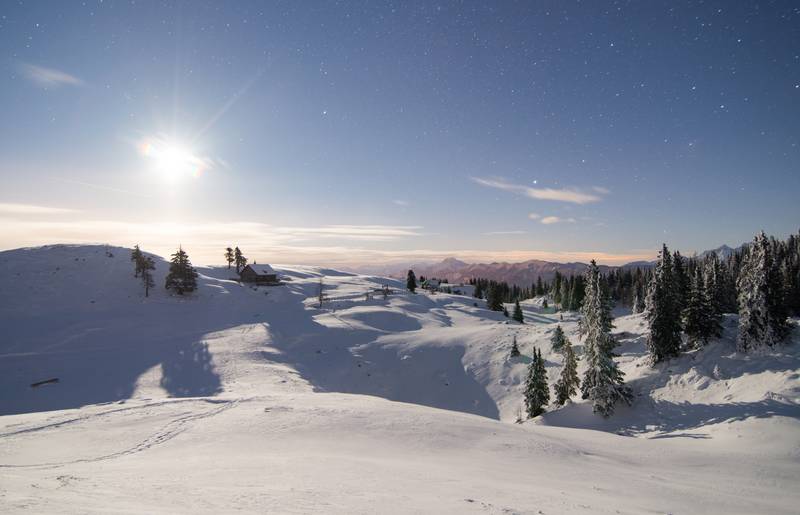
(260, 269)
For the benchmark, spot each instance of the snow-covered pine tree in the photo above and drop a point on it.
(566, 302)
(602, 308)
(557, 289)
(411, 281)
(663, 312)
(681, 280)
(568, 382)
(576, 293)
(229, 257)
(713, 284)
(698, 315)
(558, 340)
(518, 313)
(136, 258)
(638, 300)
(182, 276)
(148, 265)
(710, 277)
(602, 382)
(239, 259)
(762, 321)
(514, 347)
(777, 301)
(537, 393)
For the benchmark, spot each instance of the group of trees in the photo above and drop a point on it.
(679, 297)
(603, 383)
(767, 292)
(181, 277)
(690, 296)
(143, 267)
(235, 257)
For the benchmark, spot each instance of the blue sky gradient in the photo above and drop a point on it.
(345, 132)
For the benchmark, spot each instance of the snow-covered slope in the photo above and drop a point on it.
(248, 398)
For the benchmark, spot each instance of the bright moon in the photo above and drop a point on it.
(172, 159)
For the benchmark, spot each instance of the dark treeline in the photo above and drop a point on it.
(629, 286)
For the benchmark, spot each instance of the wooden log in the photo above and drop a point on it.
(46, 381)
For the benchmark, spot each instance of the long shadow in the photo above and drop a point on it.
(100, 359)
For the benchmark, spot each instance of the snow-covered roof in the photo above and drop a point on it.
(262, 269)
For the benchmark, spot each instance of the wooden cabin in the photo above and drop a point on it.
(259, 274)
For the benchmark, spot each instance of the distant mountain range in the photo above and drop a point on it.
(522, 274)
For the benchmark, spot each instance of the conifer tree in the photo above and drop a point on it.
(663, 312)
(494, 298)
(762, 321)
(566, 303)
(537, 393)
(148, 265)
(320, 293)
(576, 293)
(411, 281)
(602, 382)
(558, 340)
(136, 258)
(699, 317)
(557, 289)
(544, 304)
(182, 276)
(478, 293)
(638, 300)
(239, 260)
(681, 281)
(518, 313)
(710, 280)
(568, 382)
(514, 348)
(229, 257)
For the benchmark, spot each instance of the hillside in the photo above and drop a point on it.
(256, 399)
(522, 274)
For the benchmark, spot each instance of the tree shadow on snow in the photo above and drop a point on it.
(96, 365)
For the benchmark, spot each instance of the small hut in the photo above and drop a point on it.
(259, 274)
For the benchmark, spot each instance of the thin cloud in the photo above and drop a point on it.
(549, 220)
(401, 203)
(30, 209)
(534, 216)
(572, 196)
(263, 243)
(49, 76)
(501, 233)
(354, 232)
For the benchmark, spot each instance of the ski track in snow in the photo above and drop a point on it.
(166, 433)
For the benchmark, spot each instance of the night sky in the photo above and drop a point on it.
(359, 131)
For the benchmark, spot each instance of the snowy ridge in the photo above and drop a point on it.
(300, 404)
